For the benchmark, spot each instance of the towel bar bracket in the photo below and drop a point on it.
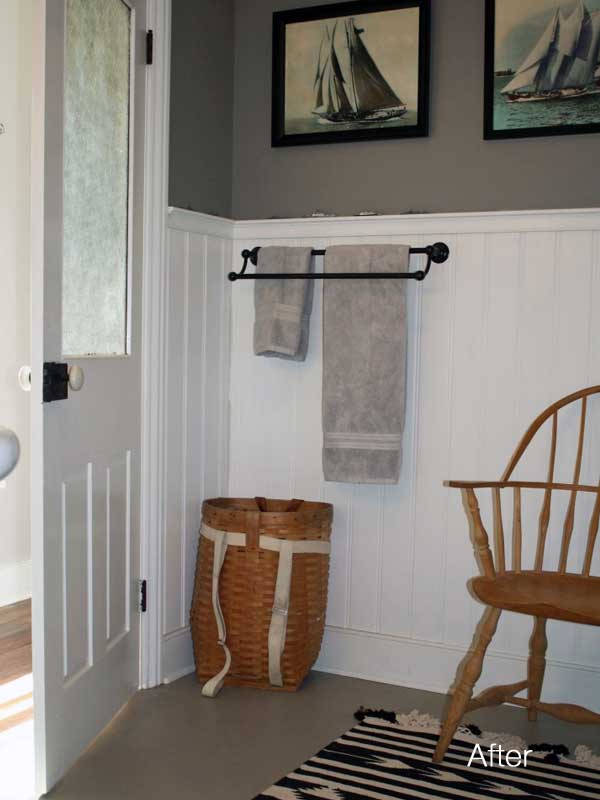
(436, 253)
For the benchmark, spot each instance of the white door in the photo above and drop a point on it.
(87, 238)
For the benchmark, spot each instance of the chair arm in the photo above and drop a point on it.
(567, 487)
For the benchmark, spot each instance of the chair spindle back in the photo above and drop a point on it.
(497, 564)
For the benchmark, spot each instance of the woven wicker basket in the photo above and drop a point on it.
(252, 568)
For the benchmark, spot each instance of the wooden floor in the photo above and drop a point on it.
(15, 661)
(15, 641)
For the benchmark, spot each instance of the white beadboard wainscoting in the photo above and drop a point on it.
(504, 328)
(197, 409)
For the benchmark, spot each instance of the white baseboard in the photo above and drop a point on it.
(15, 583)
(413, 664)
(177, 655)
(432, 667)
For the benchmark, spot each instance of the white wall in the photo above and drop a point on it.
(15, 101)
(500, 331)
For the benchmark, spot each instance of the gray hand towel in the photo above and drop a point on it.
(364, 365)
(283, 308)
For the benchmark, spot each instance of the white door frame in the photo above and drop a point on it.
(156, 164)
(153, 490)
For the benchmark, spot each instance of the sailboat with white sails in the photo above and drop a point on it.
(563, 64)
(349, 86)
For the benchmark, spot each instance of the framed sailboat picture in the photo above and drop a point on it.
(542, 68)
(351, 71)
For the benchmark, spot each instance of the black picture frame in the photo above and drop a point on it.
(489, 129)
(281, 19)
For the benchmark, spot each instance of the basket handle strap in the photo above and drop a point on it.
(213, 686)
(281, 599)
(279, 617)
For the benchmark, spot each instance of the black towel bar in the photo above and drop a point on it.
(436, 253)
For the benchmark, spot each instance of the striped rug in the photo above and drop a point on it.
(387, 756)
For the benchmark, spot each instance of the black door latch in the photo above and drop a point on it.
(56, 381)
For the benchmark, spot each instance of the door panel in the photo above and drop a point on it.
(118, 549)
(88, 300)
(77, 576)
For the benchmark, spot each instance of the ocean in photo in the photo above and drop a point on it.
(313, 125)
(510, 116)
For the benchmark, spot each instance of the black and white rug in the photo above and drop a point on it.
(387, 756)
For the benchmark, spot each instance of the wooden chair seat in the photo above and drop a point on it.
(552, 595)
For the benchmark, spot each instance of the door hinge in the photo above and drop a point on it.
(149, 47)
(143, 596)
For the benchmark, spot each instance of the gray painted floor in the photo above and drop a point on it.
(171, 742)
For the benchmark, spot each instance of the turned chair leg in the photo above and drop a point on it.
(536, 666)
(468, 677)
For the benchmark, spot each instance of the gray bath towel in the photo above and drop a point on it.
(282, 308)
(364, 365)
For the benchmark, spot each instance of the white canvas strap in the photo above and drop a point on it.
(281, 600)
(221, 540)
(233, 538)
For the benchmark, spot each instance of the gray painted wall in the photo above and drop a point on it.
(201, 105)
(453, 170)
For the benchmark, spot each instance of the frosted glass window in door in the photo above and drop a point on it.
(96, 177)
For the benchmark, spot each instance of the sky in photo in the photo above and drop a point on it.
(520, 23)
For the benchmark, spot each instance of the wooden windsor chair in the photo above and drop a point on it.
(541, 593)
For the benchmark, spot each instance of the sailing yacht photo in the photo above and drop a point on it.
(546, 70)
(356, 75)
(360, 93)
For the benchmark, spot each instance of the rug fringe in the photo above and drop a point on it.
(583, 755)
